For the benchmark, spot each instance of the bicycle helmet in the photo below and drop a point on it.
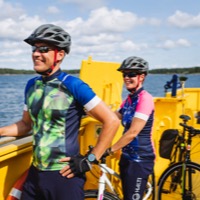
(135, 63)
(51, 34)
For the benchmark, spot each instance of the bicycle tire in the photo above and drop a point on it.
(169, 186)
(93, 194)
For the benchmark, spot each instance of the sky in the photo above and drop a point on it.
(166, 33)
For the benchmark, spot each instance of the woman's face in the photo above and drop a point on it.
(132, 80)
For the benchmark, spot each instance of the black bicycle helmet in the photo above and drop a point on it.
(51, 34)
(135, 63)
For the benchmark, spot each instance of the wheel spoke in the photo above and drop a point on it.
(172, 182)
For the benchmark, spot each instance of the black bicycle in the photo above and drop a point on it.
(181, 180)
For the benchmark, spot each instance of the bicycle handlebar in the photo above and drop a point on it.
(190, 129)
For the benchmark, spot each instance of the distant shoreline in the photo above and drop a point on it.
(8, 71)
(189, 70)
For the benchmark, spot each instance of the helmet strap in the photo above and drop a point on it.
(48, 71)
(132, 90)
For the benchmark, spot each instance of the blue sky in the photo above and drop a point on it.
(164, 32)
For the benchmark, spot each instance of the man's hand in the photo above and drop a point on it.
(77, 165)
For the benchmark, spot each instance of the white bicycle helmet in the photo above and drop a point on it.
(51, 34)
(135, 63)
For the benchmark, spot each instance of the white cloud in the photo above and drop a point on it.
(103, 20)
(130, 46)
(19, 28)
(113, 20)
(53, 10)
(13, 52)
(90, 4)
(99, 39)
(183, 43)
(9, 10)
(106, 33)
(12, 49)
(184, 20)
(171, 44)
(102, 33)
(154, 21)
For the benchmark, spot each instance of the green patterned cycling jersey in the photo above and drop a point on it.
(56, 105)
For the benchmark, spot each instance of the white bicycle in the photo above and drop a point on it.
(106, 190)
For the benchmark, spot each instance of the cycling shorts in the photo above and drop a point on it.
(50, 185)
(134, 176)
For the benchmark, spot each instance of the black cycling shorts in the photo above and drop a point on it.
(50, 185)
(134, 177)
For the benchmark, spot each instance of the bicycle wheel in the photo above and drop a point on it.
(150, 188)
(171, 182)
(93, 194)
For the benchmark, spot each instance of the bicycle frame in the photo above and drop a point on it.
(104, 180)
(180, 149)
(186, 160)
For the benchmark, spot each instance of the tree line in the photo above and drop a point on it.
(191, 70)
(21, 71)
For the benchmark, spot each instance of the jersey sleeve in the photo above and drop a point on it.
(145, 106)
(28, 85)
(81, 92)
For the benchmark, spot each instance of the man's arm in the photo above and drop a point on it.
(19, 128)
(110, 123)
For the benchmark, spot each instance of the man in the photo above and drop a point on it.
(137, 115)
(54, 105)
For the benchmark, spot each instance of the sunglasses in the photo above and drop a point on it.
(41, 49)
(129, 74)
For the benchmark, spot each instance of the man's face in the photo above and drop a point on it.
(43, 56)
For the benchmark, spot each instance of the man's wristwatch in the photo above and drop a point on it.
(92, 158)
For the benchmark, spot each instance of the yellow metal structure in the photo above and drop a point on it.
(106, 81)
(167, 112)
(15, 158)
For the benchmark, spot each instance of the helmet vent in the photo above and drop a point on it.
(51, 34)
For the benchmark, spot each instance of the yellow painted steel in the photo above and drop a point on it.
(167, 112)
(15, 158)
(106, 81)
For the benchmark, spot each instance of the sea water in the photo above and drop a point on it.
(12, 92)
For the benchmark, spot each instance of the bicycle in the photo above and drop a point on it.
(181, 180)
(106, 190)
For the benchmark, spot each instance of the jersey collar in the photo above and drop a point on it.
(51, 77)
